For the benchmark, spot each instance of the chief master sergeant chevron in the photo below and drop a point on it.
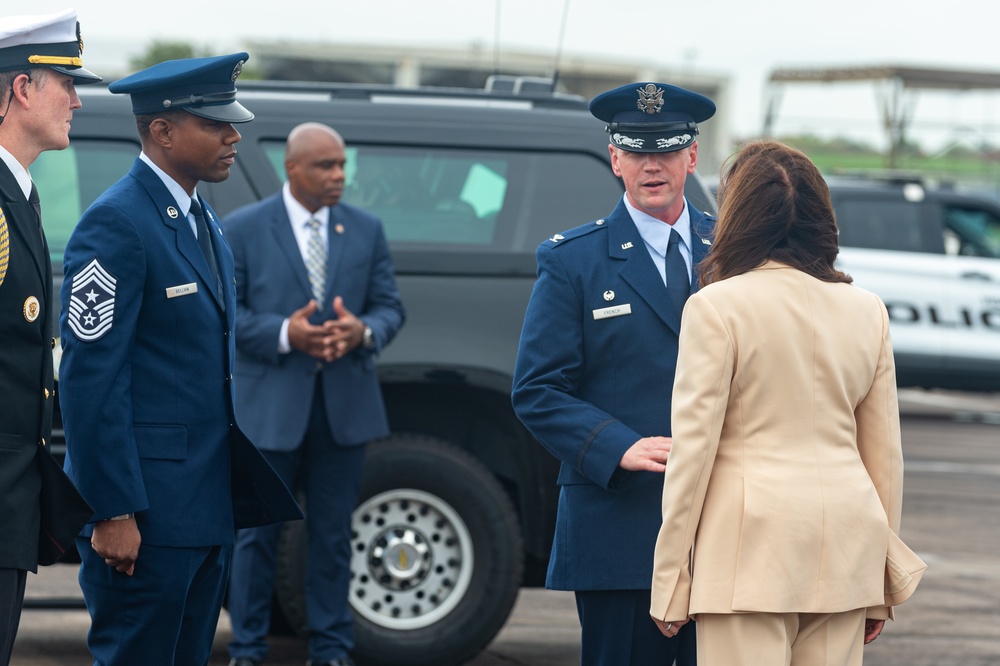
(148, 313)
(595, 370)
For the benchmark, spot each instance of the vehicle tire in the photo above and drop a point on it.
(438, 556)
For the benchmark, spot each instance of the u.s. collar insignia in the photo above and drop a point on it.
(557, 238)
(172, 212)
(650, 99)
(31, 309)
(705, 241)
(92, 302)
(4, 246)
(237, 70)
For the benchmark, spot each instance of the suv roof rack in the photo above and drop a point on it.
(534, 90)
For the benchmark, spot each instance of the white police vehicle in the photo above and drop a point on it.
(933, 255)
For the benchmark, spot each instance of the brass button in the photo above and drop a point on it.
(53, 343)
(47, 394)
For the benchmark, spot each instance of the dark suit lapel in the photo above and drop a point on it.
(639, 271)
(172, 218)
(337, 235)
(284, 238)
(21, 220)
(702, 233)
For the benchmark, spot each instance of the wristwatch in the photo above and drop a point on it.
(368, 339)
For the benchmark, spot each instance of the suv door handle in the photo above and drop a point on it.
(976, 275)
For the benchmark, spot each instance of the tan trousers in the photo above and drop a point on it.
(776, 639)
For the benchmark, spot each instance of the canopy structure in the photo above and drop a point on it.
(896, 87)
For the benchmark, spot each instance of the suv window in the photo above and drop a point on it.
(972, 232)
(881, 225)
(69, 180)
(471, 197)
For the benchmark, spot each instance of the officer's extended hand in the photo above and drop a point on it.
(649, 454)
(117, 541)
(348, 330)
(317, 341)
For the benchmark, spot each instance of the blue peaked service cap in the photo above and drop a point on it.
(205, 87)
(44, 40)
(650, 117)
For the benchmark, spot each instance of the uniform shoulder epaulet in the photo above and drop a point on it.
(576, 232)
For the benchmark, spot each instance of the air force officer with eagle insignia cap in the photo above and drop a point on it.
(595, 370)
(148, 313)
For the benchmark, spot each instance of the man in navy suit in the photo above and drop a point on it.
(148, 313)
(595, 370)
(316, 301)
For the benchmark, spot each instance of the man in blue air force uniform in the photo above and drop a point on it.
(148, 314)
(595, 370)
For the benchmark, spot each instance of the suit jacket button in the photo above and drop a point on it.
(53, 343)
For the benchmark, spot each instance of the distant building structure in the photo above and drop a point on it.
(470, 68)
(895, 85)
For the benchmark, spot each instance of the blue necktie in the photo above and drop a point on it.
(205, 242)
(678, 280)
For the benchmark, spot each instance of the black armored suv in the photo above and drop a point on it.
(458, 504)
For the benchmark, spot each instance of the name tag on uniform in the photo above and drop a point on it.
(182, 290)
(613, 311)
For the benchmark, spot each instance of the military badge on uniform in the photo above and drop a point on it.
(92, 302)
(4, 246)
(650, 99)
(31, 309)
(172, 212)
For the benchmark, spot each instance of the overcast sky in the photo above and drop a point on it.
(742, 39)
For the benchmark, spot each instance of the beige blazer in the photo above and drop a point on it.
(786, 475)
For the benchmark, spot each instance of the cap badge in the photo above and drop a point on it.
(31, 309)
(650, 99)
(238, 69)
(79, 37)
(609, 295)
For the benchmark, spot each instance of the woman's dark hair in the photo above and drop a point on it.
(773, 204)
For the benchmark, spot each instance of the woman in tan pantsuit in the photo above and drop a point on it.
(781, 502)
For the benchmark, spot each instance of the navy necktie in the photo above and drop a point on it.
(678, 280)
(36, 204)
(205, 242)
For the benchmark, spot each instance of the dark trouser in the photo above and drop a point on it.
(617, 629)
(11, 598)
(330, 475)
(165, 614)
